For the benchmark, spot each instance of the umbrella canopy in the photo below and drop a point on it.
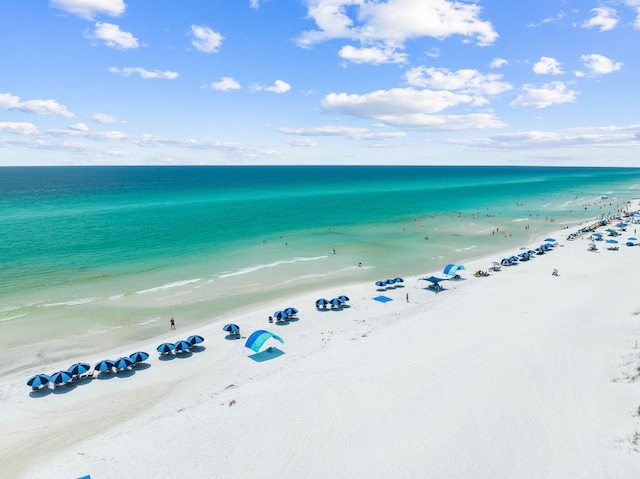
(165, 348)
(182, 345)
(258, 338)
(550, 240)
(291, 311)
(78, 368)
(381, 283)
(434, 280)
(123, 363)
(104, 365)
(38, 380)
(398, 280)
(335, 302)
(138, 357)
(322, 302)
(280, 315)
(452, 269)
(389, 281)
(195, 339)
(343, 298)
(612, 241)
(633, 239)
(60, 377)
(231, 328)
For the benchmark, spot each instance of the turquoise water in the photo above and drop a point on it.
(105, 254)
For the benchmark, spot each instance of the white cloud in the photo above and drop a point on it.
(104, 118)
(466, 81)
(88, 9)
(599, 64)
(205, 39)
(301, 142)
(225, 84)
(553, 93)
(254, 4)
(166, 75)
(112, 36)
(21, 128)
(498, 63)
(547, 66)
(79, 127)
(279, 86)
(349, 132)
(409, 108)
(39, 107)
(372, 55)
(393, 22)
(603, 17)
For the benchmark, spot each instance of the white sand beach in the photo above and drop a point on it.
(520, 374)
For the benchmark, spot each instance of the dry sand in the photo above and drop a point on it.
(519, 374)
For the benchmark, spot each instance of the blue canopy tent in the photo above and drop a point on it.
(435, 282)
(258, 338)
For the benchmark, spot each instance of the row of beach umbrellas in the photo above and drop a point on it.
(285, 314)
(389, 282)
(334, 302)
(78, 369)
(527, 254)
(182, 345)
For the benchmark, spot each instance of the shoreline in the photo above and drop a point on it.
(536, 365)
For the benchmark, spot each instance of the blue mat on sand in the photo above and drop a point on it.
(383, 299)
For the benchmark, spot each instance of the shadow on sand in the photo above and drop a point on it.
(266, 355)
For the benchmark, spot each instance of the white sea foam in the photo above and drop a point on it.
(175, 284)
(253, 269)
(8, 308)
(11, 318)
(70, 303)
(517, 220)
(466, 249)
(149, 321)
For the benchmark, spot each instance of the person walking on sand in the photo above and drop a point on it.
(172, 323)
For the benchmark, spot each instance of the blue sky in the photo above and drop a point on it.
(242, 82)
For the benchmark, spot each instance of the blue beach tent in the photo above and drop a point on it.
(452, 269)
(258, 338)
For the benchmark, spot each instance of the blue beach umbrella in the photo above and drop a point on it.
(195, 339)
(291, 311)
(38, 380)
(78, 368)
(60, 377)
(335, 302)
(322, 302)
(138, 357)
(612, 241)
(550, 240)
(122, 363)
(389, 282)
(398, 280)
(633, 239)
(280, 315)
(182, 345)
(231, 328)
(381, 283)
(104, 365)
(343, 298)
(165, 348)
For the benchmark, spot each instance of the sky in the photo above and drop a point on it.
(307, 82)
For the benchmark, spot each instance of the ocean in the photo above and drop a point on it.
(92, 257)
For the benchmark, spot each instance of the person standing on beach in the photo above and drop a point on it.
(172, 323)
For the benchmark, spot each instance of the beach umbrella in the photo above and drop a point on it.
(381, 283)
(122, 363)
(104, 365)
(323, 302)
(612, 241)
(231, 328)
(38, 380)
(78, 368)
(182, 345)
(389, 281)
(335, 302)
(138, 357)
(195, 339)
(60, 377)
(550, 240)
(343, 298)
(280, 315)
(633, 239)
(165, 348)
(291, 311)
